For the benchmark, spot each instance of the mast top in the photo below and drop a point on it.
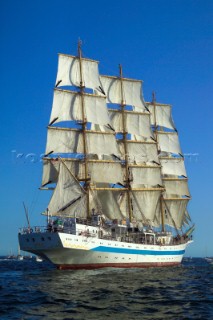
(153, 97)
(79, 48)
(120, 71)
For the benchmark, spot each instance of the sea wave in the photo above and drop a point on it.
(30, 290)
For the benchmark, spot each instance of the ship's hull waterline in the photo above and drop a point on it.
(67, 251)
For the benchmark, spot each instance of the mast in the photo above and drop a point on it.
(176, 195)
(95, 142)
(84, 125)
(156, 137)
(127, 181)
(154, 112)
(140, 163)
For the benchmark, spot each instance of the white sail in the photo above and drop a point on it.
(110, 204)
(118, 185)
(51, 169)
(146, 176)
(67, 193)
(176, 187)
(173, 166)
(69, 72)
(110, 172)
(63, 141)
(67, 106)
(161, 116)
(144, 204)
(169, 142)
(132, 91)
(96, 110)
(140, 152)
(99, 171)
(102, 143)
(174, 212)
(136, 123)
(71, 141)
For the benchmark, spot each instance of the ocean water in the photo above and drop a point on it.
(33, 290)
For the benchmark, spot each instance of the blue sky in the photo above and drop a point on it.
(168, 44)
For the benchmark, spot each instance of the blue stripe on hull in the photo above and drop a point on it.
(135, 251)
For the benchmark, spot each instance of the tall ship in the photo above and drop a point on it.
(117, 175)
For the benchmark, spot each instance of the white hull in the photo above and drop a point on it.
(68, 251)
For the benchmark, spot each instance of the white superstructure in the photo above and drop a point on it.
(93, 247)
